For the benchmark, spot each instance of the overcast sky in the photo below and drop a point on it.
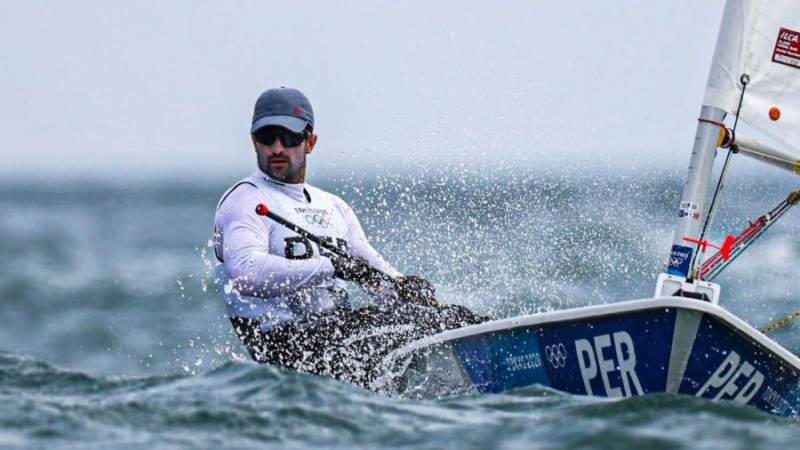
(154, 86)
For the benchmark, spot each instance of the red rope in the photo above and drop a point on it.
(713, 122)
(727, 141)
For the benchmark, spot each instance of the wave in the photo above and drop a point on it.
(240, 405)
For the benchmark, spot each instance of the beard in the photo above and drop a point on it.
(291, 172)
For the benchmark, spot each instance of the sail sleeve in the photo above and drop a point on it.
(760, 39)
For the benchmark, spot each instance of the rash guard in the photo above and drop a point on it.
(271, 273)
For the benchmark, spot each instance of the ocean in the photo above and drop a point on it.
(113, 335)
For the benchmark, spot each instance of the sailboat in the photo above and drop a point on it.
(682, 340)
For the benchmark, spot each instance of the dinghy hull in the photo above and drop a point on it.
(668, 344)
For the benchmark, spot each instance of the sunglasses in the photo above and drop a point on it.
(267, 135)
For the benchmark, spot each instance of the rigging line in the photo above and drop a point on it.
(766, 221)
(712, 208)
(781, 323)
(738, 251)
(793, 199)
(745, 80)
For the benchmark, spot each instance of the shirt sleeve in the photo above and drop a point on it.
(358, 244)
(244, 236)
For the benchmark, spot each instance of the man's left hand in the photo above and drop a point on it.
(415, 289)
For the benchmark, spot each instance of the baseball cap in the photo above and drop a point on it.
(283, 107)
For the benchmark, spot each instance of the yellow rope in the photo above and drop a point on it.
(781, 323)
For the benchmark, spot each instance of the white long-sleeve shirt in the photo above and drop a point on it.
(271, 273)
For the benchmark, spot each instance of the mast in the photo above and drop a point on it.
(692, 205)
(754, 76)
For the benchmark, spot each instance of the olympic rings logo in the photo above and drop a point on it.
(322, 220)
(556, 354)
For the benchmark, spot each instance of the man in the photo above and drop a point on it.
(285, 296)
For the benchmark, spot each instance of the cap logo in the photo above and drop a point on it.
(298, 111)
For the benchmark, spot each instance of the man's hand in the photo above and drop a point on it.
(352, 269)
(415, 289)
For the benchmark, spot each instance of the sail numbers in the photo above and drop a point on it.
(787, 48)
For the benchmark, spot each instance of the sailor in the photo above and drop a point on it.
(285, 296)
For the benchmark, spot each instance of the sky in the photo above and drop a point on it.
(152, 87)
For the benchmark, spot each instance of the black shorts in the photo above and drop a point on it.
(349, 344)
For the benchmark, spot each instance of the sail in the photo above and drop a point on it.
(760, 39)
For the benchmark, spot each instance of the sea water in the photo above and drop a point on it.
(113, 335)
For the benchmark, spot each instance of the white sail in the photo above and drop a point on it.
(760, 39)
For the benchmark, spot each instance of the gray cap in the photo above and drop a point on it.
(283, 107)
